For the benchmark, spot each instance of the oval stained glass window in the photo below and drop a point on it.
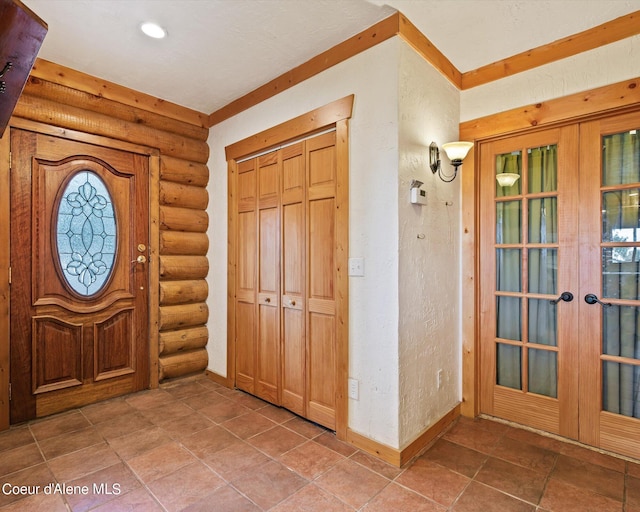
(86, 233)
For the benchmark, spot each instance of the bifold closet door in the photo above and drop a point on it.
(293, 279)
(321, 276)
(268, 338)
(246, 266)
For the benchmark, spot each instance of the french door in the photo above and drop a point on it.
(560, 289)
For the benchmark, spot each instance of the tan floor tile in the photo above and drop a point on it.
(186, 389)
(433, 481)
(594, 457)
(20, 458)
(377, 465)
(352, 483)
(205, 399)
(562, 497)
(103, 485)
(53, 447)
(590, 477)
(525, 455)
(223, 411)
(37, 503)
(208, 441)
(310, 459)
(187, 425)
(312, 499)
(59, 424)
(83, 462)
(150, 399)
(304, 427)
(248, 425)
(15, 437)
(160, 461)
(138, 500)
(185, 486)
(226, 499)
(103, 411)
(480, 498)
(456, 457)
(233, 460)
(269, 484)
(330, 440)
(396, 498)
(34, 477)
(122, 425)
(276, 441)
(276, 414)
(474, 434)
(139, 442)
(166, 413)
(520, 482)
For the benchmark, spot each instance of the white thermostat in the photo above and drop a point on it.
(418, 195)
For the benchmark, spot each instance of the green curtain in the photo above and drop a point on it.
(620, 273)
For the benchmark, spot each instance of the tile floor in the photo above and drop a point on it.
(197, 446)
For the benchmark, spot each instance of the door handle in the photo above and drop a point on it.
(140, 259)
(565, 296)
(591, 298)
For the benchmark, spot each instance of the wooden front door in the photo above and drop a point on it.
(560, 294)
(79, 286)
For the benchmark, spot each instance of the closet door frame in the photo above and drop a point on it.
(333, 115)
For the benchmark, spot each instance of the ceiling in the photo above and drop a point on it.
(219, 50)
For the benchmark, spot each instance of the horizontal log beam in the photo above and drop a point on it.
(183, 363)
(183, 219)
(183, 267)
(182, 316)
(68, 96)
(183, 292)
(184, 339)
(74, 118)
(183, 242)
(183, 171)
(185, 196)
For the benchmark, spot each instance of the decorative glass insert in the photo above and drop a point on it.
(86, 233)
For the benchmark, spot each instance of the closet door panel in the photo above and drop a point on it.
(321, 277)
(245, 327)
(268, 361)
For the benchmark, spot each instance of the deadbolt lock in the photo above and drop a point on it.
(142, 247)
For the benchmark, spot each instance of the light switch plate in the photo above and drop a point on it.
(356, 267)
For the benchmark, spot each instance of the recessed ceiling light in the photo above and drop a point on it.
(153, 30)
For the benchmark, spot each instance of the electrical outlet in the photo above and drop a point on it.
(439, 378)
(353, 389)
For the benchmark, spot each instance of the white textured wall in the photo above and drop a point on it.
(373, 211)
(605, 65)
(429, 322)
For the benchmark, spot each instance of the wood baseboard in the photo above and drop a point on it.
(219, 379)
(398, 457)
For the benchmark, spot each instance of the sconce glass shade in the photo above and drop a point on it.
(507, 179)
(457, 151)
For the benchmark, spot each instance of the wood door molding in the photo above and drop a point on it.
(615, 98)
(335, 114)
(4, 279)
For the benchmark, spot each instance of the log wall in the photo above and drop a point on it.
(58, 100)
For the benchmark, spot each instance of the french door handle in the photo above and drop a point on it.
(591, 298)
(565, 296)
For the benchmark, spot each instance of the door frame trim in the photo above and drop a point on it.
(5, 227)
(333, 114)
(601, 102)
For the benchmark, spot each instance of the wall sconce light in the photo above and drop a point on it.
(456, 151)
(507, 179)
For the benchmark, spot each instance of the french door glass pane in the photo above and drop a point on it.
(509, 366)
(620, 272)
(509, 318)
(509, 163)
(543, 372)
(508, 270)
(543, 220)
(543, 169)
(621, 331)
(543, 324)
(508, 222)
(543, 271)
(621, 388)
(621, 158)
(621, 215)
